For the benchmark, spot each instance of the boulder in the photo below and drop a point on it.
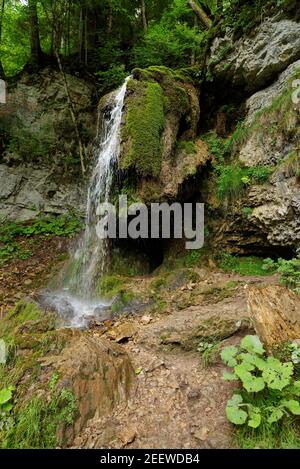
(252, 62)
(62, 377)
(275, 312)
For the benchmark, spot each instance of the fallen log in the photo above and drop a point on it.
(275, 312)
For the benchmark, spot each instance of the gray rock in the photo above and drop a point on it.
(252, 62)
(25, 191)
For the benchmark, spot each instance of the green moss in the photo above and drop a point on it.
(123, 299)
(143, 127)
(188, 147)
(19, 315)
(160, 72)
(110, 286)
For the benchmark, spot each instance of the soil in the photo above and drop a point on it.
(177, 401)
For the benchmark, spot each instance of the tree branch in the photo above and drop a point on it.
(200, 13)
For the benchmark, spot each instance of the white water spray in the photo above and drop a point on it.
(77, 300)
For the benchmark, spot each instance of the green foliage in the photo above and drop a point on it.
(37, 422)
(248, 265)
(144, 125)
(209, 349)
(269, 393)
(187, 146)
(112, 78)
(6, 406)
(289, 271)
(233, 178)
(171, 40)
(11, 232)
(247, 212)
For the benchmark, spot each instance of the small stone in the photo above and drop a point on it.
(127, 435)
(146, 319)
(28, 282)
(201, 434)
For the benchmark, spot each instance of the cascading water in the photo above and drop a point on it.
(77, 300)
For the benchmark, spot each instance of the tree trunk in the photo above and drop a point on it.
(36, 51)
(144, 16)
(2, 74)
(110, 18)
(200, 13)
(275, 312)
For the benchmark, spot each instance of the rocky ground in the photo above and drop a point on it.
(175, 392)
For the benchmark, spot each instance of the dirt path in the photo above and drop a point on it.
(177, 402)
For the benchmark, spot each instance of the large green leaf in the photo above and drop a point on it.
(292, 405)
(253, 384)
(277, 375)
(252, 344)
(229, 376)
(254, 416)
(5, 395)
(228, 356)
(233, 411)
(276, 415)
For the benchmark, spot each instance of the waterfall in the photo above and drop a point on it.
(78, 300)
(92, 251)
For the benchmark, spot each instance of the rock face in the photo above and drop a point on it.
(39, 161)
(276, 314)
(252, 62)
(159, 151)
(71, 375)
(26, 190)
(270, 139)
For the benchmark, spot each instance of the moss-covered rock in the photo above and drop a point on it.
(160, 126)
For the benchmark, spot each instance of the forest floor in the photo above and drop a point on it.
(178, 401)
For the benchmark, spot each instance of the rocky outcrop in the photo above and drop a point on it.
(67, 376)
(276, 314)
(159, 147)
(36, 124)
(26, 191)
(39, 160)
(253, 62)
(269, 139)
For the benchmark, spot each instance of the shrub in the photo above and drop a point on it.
(289, 271)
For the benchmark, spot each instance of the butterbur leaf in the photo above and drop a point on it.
(7, 407)
(254, 384)
(293, 406)
(229, 376)
(228, 356)
(5, 395)
(254, 417)
(277, 375)
(252, 344)
(233, 411)
(275, 415)
(243, 371)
